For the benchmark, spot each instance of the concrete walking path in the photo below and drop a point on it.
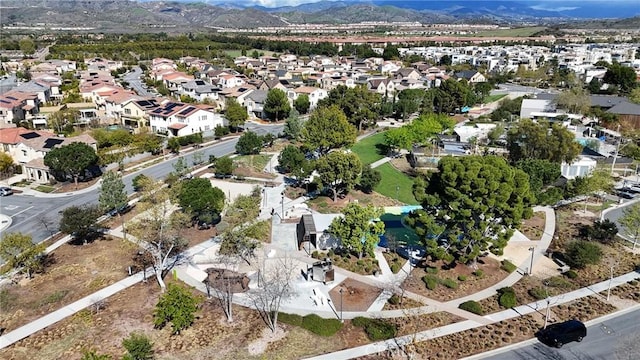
(518, 311)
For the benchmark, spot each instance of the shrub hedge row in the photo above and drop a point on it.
(313, 323)
(376, 329)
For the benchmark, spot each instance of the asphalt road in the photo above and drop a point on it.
(135, 81)
(508, 88)
(39, 217)
(616, 338)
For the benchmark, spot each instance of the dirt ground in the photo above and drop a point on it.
(534, 227)
(77, 271)
(490, 267)
(356, 296)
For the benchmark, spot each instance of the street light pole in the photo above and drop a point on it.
(282, 213)
(532, 249)
(341, 317)
(610, 280)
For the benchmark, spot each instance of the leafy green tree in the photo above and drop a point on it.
(80, 222)
(470, 205)
(623, 77)
(358, 104)
(177, 306)
(508, 110)
(630, 222)
(180, 167)
(173, 144)
(249, 144)
(604, 231)
(290, 158)
(18, 251)
(27, 46)
(302, 103)
(542, 173)
(482, 90)
(594, 85)
(238, 243)
(634, 96)
(197, 196)
(575, 100)
(327, 129)
(495, 133)
(399, 138)
(276, 105)
(339, 171)
(235, 113)
(293, 125)
(139, 180)
(72, 159)
(6, 164)
(369, 179)
(224, 166)
(582, 253)
(357, 230)
(138, 346)
(530, 140)
(409, 102)
(391, 53)
(112, 192)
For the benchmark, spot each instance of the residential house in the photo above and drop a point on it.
(472, 76)
(382, 86)
(135, 112)
(315, 95)
(627, 112)
(408, 73)
(254, 102)
(179, 119)
(583, 166)
(17, 106)
(200, 90)
(230, 81)
(28, 148)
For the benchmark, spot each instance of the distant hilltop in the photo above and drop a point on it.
(188, 15)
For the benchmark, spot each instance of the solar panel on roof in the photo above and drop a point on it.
(143, 103)
(30, 135)
(157, 111)
(187, 110)
(50, 143)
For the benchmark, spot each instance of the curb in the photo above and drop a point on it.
(5, 222)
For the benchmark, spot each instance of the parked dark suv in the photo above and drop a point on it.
(563, 333)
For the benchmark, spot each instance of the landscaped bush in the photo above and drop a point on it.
(431, 281)
(601, 231)
(291, 319)
(507, 297)
(321, 326)
(450, 283)
(313, 323)
(538, 293)
(395, 267)
(571, 274)
(394, 299)
(462, 278)
(431, 270)
(582, 253)
(376, 329)
(478, 273)
(558, 282)
(508, 266)
(471, 306)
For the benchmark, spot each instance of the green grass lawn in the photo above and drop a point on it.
(236, 53)
(516, 32)
(395, 184)
(44, 188)
(492, 98)
(370, 149)
(257, 162)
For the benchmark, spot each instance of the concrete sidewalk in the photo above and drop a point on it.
(398, 342)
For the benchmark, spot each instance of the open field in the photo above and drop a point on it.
(396, 185)
(517, 32)
(370, 149)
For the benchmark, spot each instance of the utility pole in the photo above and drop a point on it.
(532, 249)
(615, 157)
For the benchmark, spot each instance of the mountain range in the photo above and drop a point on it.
(187, 15)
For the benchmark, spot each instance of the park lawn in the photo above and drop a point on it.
(370, 149)
(492, 98)
(395, 184)
(236, 53)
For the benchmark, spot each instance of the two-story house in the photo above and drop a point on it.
(179, 119)
(315, 95)
(135, 112)
(28, 148)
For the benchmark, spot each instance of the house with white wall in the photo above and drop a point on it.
(179, 119)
